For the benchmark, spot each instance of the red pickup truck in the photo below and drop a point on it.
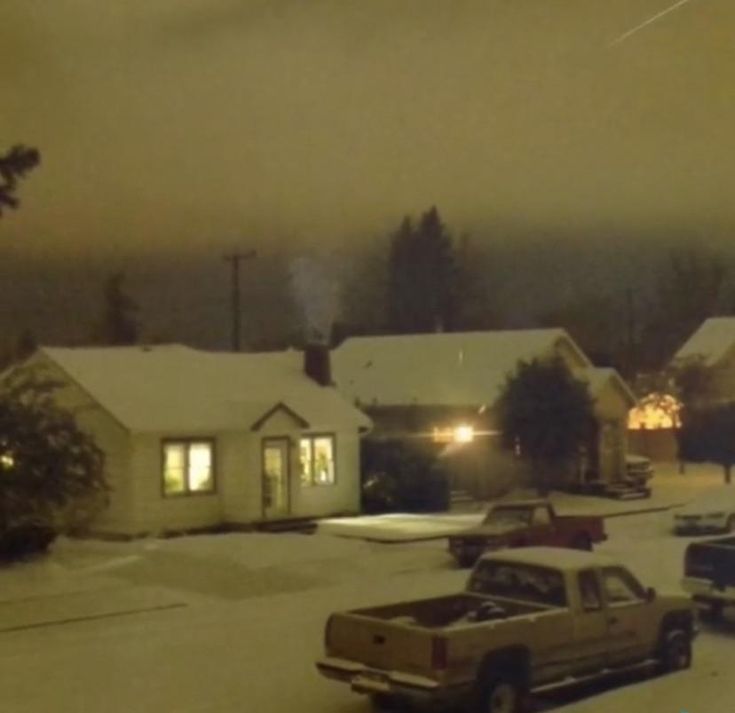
(525, 523)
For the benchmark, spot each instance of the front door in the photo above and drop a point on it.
(276, 500)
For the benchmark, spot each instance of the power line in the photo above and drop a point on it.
(235, 259)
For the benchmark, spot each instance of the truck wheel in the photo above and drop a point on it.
(499, 694)
(582, 542)
(714, 612)
(676, 650)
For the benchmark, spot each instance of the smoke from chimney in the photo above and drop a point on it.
(316, 290)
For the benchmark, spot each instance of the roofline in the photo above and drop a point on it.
(565, 336)
(85, 391)
(280, 406)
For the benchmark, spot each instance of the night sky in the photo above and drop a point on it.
(186, 127)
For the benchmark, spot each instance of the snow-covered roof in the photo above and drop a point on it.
(714, 338)
(177, 389)
(450, 369)
(598, 378)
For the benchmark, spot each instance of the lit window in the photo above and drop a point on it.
(316, 454)
(188, 467)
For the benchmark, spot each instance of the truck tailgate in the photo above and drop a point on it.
(386, 645)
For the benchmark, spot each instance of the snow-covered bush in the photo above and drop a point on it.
(51, 472)
(399, 475)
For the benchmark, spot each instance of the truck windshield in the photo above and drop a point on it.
(519, 581)
(517, 516)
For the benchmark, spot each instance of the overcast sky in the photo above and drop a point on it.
(185, 123)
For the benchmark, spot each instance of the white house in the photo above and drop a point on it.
(433, 382)
(198, 439)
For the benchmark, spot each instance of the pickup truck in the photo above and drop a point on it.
(530, 620)
(709, 574)
(524, 523)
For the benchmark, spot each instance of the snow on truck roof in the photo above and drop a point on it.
(177, 388)
(555, 557)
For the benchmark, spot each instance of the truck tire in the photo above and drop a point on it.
(582, 541)
(675, 650)
(498, 693)
(714, 612)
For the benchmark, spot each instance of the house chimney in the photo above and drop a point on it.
(317, 365)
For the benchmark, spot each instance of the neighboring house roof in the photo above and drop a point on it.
(177, 389)
(711, 342)
(598, 378)
(451, 369)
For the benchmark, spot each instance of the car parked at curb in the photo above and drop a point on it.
(529, 620)
(713, 512)
(525, 523)
(709, 574)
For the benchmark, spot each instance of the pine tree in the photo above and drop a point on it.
(119, 325)
(547, 415)
(13, 166)
(422, 277)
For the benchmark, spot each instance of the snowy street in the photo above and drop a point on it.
(218, 624)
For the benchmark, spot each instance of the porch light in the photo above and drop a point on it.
(463, 434)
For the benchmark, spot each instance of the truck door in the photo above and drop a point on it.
(627, 606)
(590, 625)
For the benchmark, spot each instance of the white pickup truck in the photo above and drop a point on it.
(530, 619)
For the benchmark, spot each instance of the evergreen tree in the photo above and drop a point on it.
(52, 472)
(25, 345)
(547, 416)
(14, 165)
(422, 277)
(119, 325)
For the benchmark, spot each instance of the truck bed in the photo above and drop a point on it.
(441, 612)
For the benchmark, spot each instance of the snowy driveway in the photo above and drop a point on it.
(251, 624)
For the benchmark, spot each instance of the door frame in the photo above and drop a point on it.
(285, 443)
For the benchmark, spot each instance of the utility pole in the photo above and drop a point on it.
(630, 309)
(235, 259)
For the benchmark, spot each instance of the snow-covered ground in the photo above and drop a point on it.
(233, 623)
(670, 489)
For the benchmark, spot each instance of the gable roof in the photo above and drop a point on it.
(598, 378)
(452, 369)
(176, 389)
(711, 342)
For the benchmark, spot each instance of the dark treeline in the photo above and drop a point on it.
(629, 304)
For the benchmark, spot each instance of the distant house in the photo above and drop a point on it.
(437, 385)
(199, 439)
(713, 346)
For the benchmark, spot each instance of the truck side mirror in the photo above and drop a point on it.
(650, 594)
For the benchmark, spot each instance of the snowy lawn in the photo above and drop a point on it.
(233, 623)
